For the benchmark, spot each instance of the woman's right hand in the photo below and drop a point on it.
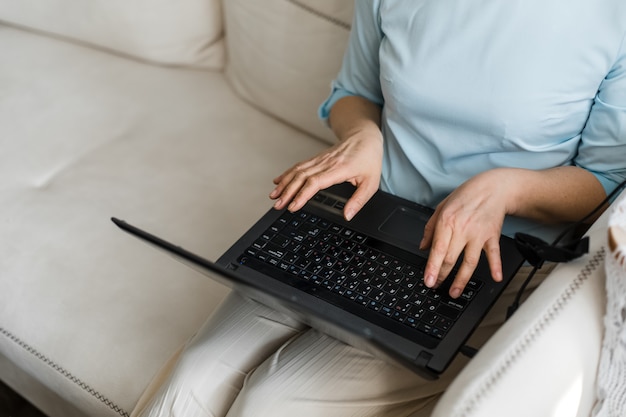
(356, 159)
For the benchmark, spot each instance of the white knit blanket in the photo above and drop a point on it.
(611, 383)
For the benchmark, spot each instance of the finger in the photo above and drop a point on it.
(471, 257)
(292, 183)
(286, 177)
(314, 183)
(492, 250)
(455, 248)
(359, 198)
(439, 249)
(281, 182)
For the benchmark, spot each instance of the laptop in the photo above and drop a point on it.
(359, 281)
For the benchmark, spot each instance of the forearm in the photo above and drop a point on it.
(352, 115)
(561, 194)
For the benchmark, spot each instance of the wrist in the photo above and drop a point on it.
(512, 185)
(559, 194)
(355, 116)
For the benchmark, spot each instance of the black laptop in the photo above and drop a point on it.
(359, 281)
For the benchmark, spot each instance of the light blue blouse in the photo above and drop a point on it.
(471, 85)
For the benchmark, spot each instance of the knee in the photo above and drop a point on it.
(301, 376)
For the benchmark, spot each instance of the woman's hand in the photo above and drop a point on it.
(470, 219)
(357, 159)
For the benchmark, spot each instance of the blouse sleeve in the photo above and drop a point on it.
(359, 73)
(603, 145)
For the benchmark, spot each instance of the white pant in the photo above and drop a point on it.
(249, 360)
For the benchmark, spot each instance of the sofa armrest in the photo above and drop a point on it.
(543, 360)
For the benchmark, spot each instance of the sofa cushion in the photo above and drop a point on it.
(288, 77)
(89, 314)
(175, 32)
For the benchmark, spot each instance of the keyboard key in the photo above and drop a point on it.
(468, 294)
(259, 244)
(313, 219)
(310, 229)
(443, 323)
(374, 305)
(274, 250)
(357, 237)
(430, 330)
(411, 322)
(449, 312)
(458, 303)
(267, 235)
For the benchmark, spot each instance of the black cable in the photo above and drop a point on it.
(538, 264)
(515, 304)
(468, 351)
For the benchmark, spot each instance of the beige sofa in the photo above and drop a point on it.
(176, 115)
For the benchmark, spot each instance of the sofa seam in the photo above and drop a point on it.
(335, 21)
(532, 334)
(111, 50)
(64, 372)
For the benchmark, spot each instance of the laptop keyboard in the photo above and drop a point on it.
(363, 270)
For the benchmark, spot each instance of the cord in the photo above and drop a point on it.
(515, 304)
(468, 351)
(538, 262)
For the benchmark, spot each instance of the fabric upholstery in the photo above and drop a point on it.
(182, 33)
(543, 361)
(86, 310)
(287, 76)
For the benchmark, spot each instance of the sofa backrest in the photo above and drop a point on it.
(283, 55)
(280, 55)
(173, 32)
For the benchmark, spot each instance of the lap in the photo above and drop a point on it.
(249, 360)
(212, 367)
(314, 374)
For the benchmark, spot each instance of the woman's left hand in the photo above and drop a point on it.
(469, 220)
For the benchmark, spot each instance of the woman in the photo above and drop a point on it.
(504, 115)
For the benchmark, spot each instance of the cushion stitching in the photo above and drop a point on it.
(535, 331)
(67, 374)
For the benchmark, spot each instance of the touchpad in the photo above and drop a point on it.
(406, 224)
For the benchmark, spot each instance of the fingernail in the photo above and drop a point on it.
(430, 280)
(349, 214)
(274, 194)
(277, 204)
(455, 292)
